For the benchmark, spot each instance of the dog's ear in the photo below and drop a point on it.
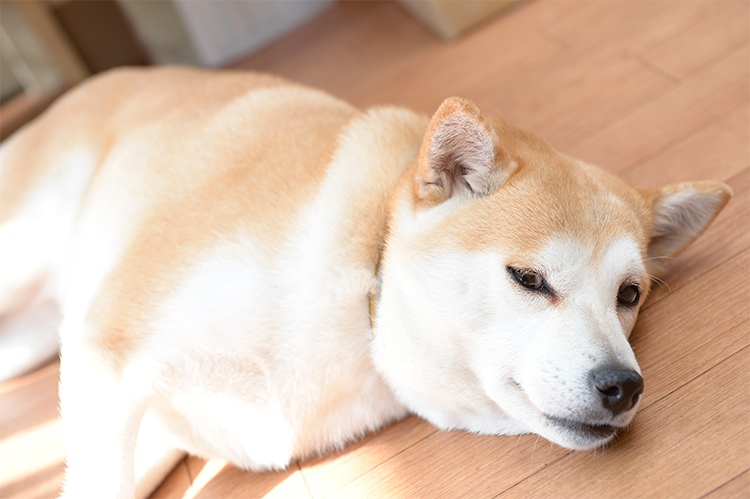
(681, 213)
(460, 152)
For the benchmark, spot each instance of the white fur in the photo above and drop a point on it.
(448, 324)
(32, 248)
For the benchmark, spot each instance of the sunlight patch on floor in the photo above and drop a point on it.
(212, 468)
(16, 462)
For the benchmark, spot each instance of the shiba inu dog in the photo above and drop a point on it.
(249, 269)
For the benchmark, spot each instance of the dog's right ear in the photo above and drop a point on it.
(460, 153)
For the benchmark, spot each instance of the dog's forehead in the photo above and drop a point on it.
(568, 263)
(553, 198)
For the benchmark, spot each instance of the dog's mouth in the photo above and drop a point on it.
(571, 433)
(587, 431)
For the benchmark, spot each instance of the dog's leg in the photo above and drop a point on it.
(101, 418)
(28, 337)
(29, 316)
(24, 260)
(156, 455)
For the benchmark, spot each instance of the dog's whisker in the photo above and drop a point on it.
(534, 449)
(512, 451)
(661, 282)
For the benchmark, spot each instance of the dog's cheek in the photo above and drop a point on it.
(628, 319)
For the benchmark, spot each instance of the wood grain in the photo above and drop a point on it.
(717, 151)
(736, 488)
(719, 32)
(726, 237)
(627, 25)
(31, 444)
(682, 336)
(699, 433)
(326, 474)
(650, 129)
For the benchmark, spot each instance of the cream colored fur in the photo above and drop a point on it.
(212, 240)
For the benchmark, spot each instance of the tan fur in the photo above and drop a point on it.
(397, 135)
(92, 118)
(226, 183)
(240, 194)
(228, 173)
(432, 186)
(549, 194)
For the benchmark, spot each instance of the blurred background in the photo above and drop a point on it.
(49, 45)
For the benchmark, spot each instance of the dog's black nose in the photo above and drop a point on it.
(618, 388)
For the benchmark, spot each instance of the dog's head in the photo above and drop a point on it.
(512, 277)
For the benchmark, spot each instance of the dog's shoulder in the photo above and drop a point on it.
(300, 178)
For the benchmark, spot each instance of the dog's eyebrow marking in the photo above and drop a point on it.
(625, 254)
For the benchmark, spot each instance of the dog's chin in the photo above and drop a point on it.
(570, 433)
(578, 435)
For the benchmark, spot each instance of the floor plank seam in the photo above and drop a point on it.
(684, 138)
(657, 70)
(526, 478)
(191, 478)
(646, 102)
(672, 291)
(640, 412)
(739, 46)
(555, 40)
(694, 378)
(723, 484)
(720, 6)
(302, 474)
(380, 464)
(740, 173)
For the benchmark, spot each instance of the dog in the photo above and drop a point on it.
(249, 269)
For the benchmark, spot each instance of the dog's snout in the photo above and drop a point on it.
(619, 389)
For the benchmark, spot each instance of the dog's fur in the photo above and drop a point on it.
(214, 240)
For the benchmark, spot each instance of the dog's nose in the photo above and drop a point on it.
(618, 388)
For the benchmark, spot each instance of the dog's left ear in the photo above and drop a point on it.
(460, 152)
(681, 213)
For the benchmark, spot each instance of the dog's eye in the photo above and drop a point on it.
(528, 279)
(629, 295)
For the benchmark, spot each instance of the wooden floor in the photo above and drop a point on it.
(656, 92)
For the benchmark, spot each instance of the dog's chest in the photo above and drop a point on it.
(273, 360)
(258, 358)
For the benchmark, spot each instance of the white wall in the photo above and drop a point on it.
(223, 31)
